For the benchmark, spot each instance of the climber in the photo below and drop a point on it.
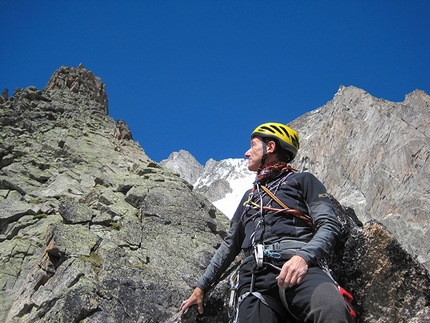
(286, 226)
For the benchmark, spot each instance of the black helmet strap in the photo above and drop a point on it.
(264, 157)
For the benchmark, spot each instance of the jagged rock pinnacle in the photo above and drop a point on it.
(79, 81)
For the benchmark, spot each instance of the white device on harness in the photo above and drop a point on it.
(259, 255)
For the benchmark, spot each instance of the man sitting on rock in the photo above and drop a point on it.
(286, 226)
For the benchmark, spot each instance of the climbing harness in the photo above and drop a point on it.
(234, 303)
(262, 251)
(266, 251)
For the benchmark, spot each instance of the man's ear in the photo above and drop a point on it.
(271, 147)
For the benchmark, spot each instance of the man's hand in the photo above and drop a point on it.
(292, 272)
(196, 298)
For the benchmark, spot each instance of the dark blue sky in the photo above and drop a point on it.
(201, 75)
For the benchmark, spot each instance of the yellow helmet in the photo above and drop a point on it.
(287, 137)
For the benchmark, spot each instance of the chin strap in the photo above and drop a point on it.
(263, 158)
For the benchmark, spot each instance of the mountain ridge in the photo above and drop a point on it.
(406, 215)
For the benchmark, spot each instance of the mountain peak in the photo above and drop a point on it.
(185, 164)
(223, 182)
(79, 81)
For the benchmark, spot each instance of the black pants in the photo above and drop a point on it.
(315, 299)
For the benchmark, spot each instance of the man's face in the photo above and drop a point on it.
(254, 154)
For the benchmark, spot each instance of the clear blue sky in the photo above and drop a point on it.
(201, 75)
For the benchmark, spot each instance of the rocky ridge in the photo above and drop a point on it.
(92, 230)
(373, 156)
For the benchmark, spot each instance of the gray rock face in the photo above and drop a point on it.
(94, 231)
(373, 156)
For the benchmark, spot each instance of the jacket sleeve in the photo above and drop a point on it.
(321, 211)
(223, 257)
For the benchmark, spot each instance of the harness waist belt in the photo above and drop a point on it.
(285, 244)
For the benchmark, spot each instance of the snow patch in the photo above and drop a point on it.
(230, 202)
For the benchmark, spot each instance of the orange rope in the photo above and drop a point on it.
(286, 209)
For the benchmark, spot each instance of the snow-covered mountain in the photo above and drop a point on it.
(185, 165)
(222, 182)
(225, 182)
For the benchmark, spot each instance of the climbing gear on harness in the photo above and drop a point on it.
(259, 255)
(287, 137)
(260, 251)
(285, 244)
(250, 203)
(286, 209)
(234, 284)
(282, 294)
(235, 301)
(348, 300)
(271, 254)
